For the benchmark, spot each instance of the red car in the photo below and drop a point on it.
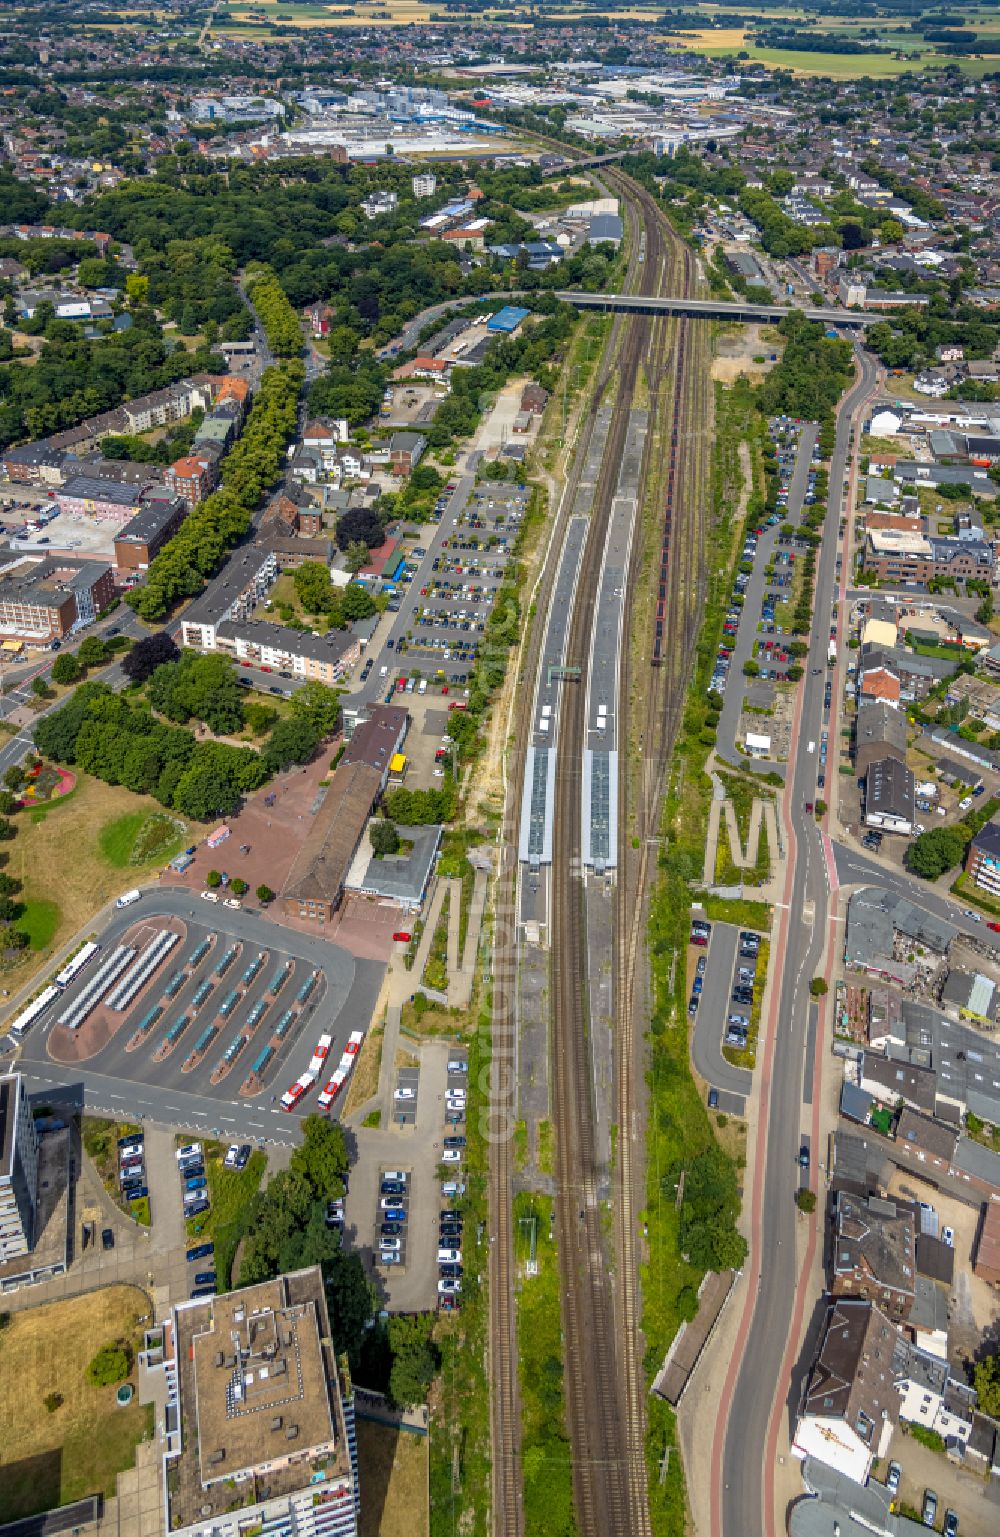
(403, 937)
(995, 927)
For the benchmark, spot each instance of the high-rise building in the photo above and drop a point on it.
(424, 184)
(258, 1402)
(18, 1170)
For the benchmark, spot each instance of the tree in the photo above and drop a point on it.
(383, 837)
(213, 879)
(66, 669)
(987, 1384)
(238, 886)
(6, 829)
(291, 741)
(147, 655)
(112, 1363)
(805, 1200)
(15, 777)
(264, 894)
(357, 602)
(93, 652)
(40, 688)
(415, 1358)
(322, 1156)
(356, 555)
(818, 987)
(318, 704)
(313, 587)
(936, 851)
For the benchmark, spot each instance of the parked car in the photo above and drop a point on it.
(451, 1155)
(205, 1278)
(390, 1245)
(107, 1238)
(892, 1477)
(198, 1183)
(713, 1099)
(237, 1156)
(200, 1251)
(929, 1512)
(950, 1528)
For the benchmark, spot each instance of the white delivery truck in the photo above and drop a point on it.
(127, 898)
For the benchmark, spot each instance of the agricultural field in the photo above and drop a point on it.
(54, 1452)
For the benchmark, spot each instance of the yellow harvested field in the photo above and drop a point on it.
(392, 1466)
(49, 1458)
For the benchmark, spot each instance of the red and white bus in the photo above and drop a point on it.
(301, 1086)
(320, 1055)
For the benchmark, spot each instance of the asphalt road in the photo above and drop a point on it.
(736, 684)
(351, 989)
(774, 1272)
(710, 1021)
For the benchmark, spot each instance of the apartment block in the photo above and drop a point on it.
(258, 1403)
(18, 1170)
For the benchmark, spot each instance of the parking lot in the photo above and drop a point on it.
(404, 1221)
(228, 1007)
(752, 634)
(445, 593)
(724, 990)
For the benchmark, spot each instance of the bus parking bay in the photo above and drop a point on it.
(232, 990)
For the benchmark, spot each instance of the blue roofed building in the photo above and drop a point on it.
(507, 320)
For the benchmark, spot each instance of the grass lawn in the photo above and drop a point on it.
(231, 1192)
(63, 893)
(139, 837)
(39, 921)
(100, 1142)
(50, 1459)
(363, 1081)
(392, 1466)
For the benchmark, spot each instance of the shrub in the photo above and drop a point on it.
(52, 1402)
(265, 894)
(111, 1364)
(213, 879)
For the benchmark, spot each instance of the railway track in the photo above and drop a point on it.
(507, 1487)
(605, 1390)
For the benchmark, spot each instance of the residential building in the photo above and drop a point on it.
(878, 683)
(924, 1143)
(104, 500)
(896, 1082)
(849, 1406)
(233, 595)
(424, 184)
(142, 538)
(41, 601)
(19, 1156)
(873, 1253)
(315, 884)
(34, 464)
(986, 1253)
(405, 450)
(258, 1402)
(982, 862)
(377, 203)
(193, 477)
(889, 796)
(296, 653)
(879, 733)
(894, 555)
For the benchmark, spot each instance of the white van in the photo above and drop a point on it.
(127, 898)
(811, 747)
(423, 685)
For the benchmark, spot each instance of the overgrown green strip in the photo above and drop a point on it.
(460, 1411)
(698, 1233)
(546, 1457)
